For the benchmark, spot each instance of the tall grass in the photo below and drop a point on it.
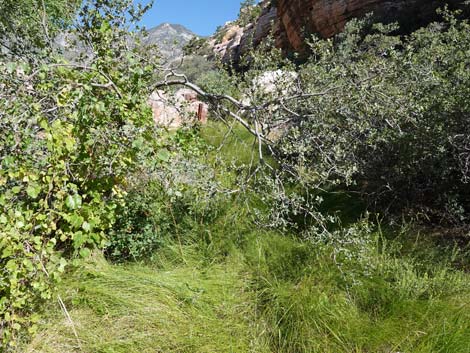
(230, 286)
(392, 304)
(262, 292)
(143, 308)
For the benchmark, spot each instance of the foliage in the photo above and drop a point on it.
(394, 120)
(131, 308)
(219, 81)
(28, 25)
(249, 12)
(377, 114)
(197, 46)
(359, 289)
(370, 112)
(161, 198)
(142, 223)
(72, 133)
(239, 288)
(195, 66)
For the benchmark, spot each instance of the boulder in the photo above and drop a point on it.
(181, 108)
(276, 83)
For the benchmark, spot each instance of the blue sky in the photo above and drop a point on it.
(200, 16)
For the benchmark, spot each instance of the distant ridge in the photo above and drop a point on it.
(170, 38)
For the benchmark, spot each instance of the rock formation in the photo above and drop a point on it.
(292, 21)
(238, 40)
(300, 18)
(181, 108)
(228, 48)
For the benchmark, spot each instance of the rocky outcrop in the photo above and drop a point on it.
(238, 40)
(228, 48)
(300, 18)
(266, 23)
(181, 108)
(291, 22)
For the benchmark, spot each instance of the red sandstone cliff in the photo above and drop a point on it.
(299, 18)
(292, 21)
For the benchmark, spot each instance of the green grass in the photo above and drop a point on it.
(392, 304)
(268, 293)
(142, 308)
(229, 286)
(233, 142)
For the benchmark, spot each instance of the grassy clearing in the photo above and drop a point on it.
(269, 293)
(389, 303)
(232, 142)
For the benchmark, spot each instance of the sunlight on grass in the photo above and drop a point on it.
(230, 286)
(269, 293)
(136, 308)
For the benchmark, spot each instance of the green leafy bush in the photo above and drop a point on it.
(395, 122)
(218, 82)
(166, 198)
(20, 20)
(249, 12)
(71, 135)
(143, 223)
(382, 115)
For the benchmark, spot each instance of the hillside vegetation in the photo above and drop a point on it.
(323, 208)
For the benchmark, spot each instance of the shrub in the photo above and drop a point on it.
(397, 121)
(378, 114)
(71, 135)
(165, 199)
(195, 66)
(249, 12)
(144, 221)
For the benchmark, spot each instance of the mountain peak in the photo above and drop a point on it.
(165, 26)
(170, 38)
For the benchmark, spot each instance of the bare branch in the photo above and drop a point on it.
(44, 23)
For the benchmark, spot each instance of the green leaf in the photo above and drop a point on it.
(69, 143)
(62, 264)
(41, 217)
(7, 252)
(44, 124)
(75, 220)
(16, 189)
(86, 226)
(138, 143)
(164, 155)
(79, 239)
(85, 252)
(33, 190)
(11, 265)
(73, 201)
